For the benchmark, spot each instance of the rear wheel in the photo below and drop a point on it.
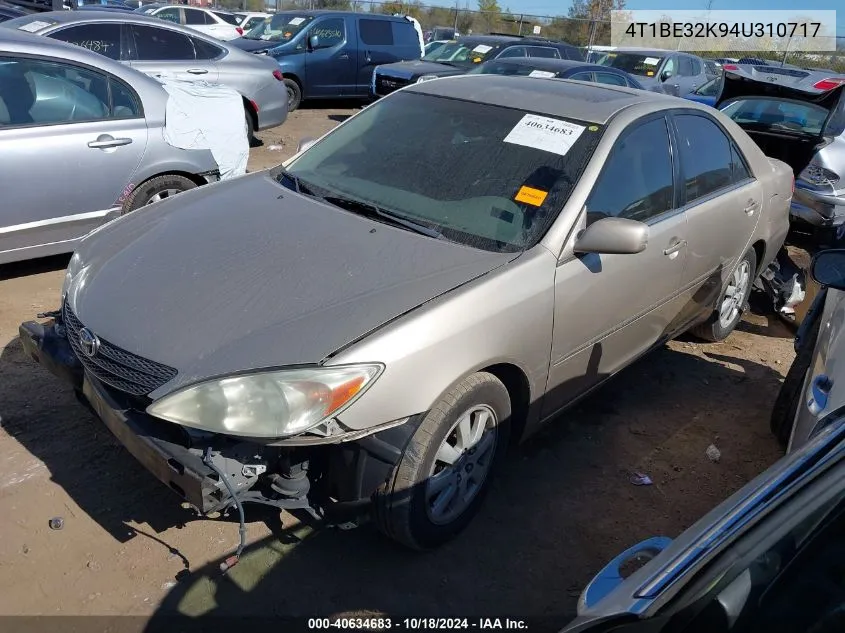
(155, 190)
(294, 94)
(250, 127)
(731, 303)
(445, 471)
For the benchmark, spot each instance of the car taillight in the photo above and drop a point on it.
(829, 84)
(239, 30)
(278, 75)
(730, 67)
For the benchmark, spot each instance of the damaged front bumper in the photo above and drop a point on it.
(335, 479)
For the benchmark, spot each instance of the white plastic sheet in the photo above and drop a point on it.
(202, 115)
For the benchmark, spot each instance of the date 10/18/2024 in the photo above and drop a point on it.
(414, 624)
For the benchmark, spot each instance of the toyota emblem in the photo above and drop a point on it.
(89, 342)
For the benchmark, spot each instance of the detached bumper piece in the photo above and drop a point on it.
(334, 480)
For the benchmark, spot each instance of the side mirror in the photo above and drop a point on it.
(313, 42)
(304, 144)
(613, 236)
(666, 75)
(609, 578)
(828, 268)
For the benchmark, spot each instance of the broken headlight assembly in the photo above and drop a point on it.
(267, 404)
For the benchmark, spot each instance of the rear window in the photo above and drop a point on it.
(778, 115)
(227, 17)
(644, 65)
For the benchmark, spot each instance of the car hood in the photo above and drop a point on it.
(247, 274)
(253, 46)
(418, 68)
(777, 82)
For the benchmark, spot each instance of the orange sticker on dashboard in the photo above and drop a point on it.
(531, 196)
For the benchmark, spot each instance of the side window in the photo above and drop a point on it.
(671, 66)
(171, 14)
(543, 51)
(697, 67)
(636, 181)
(513, 51)
(376, 32)
(124, 101)
(582, 76)
(705, 154)
(405, 34)
(194, 17)
(102, 38)
(37, 92)
(685, 66)
(610, 78)
(152, 44)
(739, 169)
(330, 32)
(205, 50)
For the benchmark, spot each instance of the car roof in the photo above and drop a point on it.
(648, 51)
(369, 16)
(593, 103)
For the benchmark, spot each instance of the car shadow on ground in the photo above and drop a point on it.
(546, 528)
(33, 267)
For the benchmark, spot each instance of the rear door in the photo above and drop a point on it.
(91, 127)
(330, 58)
(382, 42)
(723, 203)
(100, 37)
(164, 52)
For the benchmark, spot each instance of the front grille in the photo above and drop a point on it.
(386, 85)
(116, 367)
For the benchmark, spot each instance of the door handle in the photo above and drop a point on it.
(751, 208)
(105, 141)
(672, 251)
(197, 71)
(343, 56)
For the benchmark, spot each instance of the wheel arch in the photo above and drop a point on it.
(250, 110)
(760, 251)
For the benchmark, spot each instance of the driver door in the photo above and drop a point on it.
(330, 59)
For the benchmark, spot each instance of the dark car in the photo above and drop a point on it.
(329, 54)
(10, 12)
(464, 54)
(670, 72)
(440, 33)
(767, 560)
(557, 68)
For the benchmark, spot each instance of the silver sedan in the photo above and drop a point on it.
(160, 48)
(449, 268)
(81, 140)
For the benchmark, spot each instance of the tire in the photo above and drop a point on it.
(716, 328)
(789, 397)
(294, 94)
(405, 509)
(250, 127)
(160, 186)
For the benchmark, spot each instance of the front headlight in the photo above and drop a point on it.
(267, 404)
(426, 78)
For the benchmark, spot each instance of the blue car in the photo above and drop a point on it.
(707, 93)
(557, 68)
(329, 54)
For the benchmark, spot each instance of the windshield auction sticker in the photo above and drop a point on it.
(544, 133)
(529, 195)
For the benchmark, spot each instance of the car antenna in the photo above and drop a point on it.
(233, 560)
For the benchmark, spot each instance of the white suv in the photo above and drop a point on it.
(220, 24)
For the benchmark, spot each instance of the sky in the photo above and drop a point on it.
(560, 7)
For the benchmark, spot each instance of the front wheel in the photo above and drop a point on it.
(731, 303)
(155, 190)
(445, 471)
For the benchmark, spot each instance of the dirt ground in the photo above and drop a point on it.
(563, 507)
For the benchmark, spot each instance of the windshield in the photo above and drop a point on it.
(778, 114)
(644, 65)
(432, 46)
(486, 176)
(282, 27)
(457, 53)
